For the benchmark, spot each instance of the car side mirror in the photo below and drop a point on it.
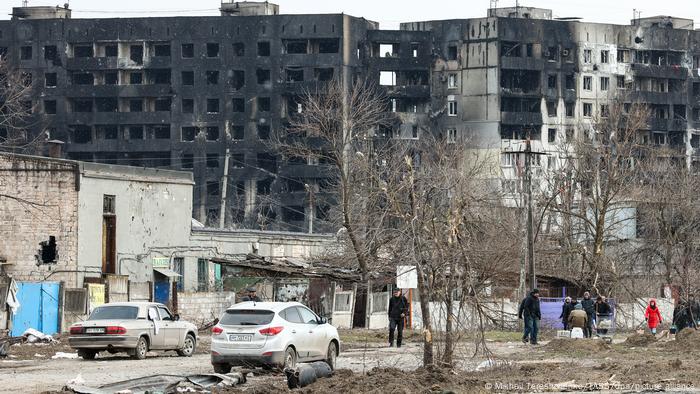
(176, 317)
(322, 320)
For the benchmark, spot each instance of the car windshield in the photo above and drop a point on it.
(114, 312)
(243, 317)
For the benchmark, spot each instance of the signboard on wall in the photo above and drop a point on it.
(406, 277)
(161, 262)
(96, 296)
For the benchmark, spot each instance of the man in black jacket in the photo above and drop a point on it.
(398, 308)
(532, 315)
(589, 307)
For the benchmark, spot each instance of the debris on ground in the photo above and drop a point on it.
(201, 383)
(643, 339)
(689, 336)
(590, 345)
(63, 355)
(306, 374)
(34, 336)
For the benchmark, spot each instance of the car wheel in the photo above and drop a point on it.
(290, 358)
(141, 349)
(331, 355)
(222, 368)
(188, 347)
(87, 354)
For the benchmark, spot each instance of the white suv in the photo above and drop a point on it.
(271, 334)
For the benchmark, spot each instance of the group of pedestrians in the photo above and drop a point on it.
(586, 314)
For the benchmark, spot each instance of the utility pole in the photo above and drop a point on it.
(224, 185)
(530, 231)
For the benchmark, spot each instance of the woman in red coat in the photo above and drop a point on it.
(652, 316)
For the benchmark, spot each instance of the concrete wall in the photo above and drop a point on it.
(152, 212)
(203, 307)
(38, 199)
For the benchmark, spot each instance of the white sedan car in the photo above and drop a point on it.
(271, 334)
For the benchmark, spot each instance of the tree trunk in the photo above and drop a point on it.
(449, 330)
(425, 316)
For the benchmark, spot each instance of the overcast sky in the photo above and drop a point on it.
(387, 12)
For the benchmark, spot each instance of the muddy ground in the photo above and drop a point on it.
(367, 365)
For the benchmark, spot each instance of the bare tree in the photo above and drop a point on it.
(16, 109)
(594, 193)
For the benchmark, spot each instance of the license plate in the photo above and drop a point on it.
(94, 330)
(240, 337)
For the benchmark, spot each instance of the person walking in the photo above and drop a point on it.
(398, 308)
(526, 328)
(588, 306)
(532, 315)
(603, 315)
(578, 318)
(566, 309)
(652, 316)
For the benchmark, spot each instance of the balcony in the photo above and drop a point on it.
(656, 124)
(92, 63)
(522, 63)
(524, 118)
(649, 70)
(419, 91)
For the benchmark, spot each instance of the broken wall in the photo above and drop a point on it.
(39, 200)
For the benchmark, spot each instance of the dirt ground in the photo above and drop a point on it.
(367, 365)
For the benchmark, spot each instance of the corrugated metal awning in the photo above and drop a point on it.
(167, 272)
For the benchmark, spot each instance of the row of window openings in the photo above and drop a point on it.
(163, 104)
(163, 77)
(84, 133)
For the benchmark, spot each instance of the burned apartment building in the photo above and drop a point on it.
(204, 93)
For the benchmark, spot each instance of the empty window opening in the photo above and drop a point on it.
(107, 104)
(81, 134)
(510, 104)
(238, 49)
(212, 77)
(604, 56)
(452, 52)
(187, 161)
(107, 132)
(213, 106)
(212, 188)
(48, 252)
(160, 77)
(238, 133)
(50, 80)
(264, 104)
(587, 110)
(552, 81)
(415, 47)
(623, 56)
(83, 79)
(386, 50)
(296, 47)
(329, 46)
(136, 54)
(212, 133)
(189, 133)
(238, 160)
(264, 132)
(323, 74)
(161, 50)
(588, 83)
(50, 107)
(551, 135)
(187, 51)
(267, 162)
(551, 108)
(520, 81)
(511, 49)
(552, 54)
(387, 78)
(212, 49)
(136, 105)
(50, 52)
(264, 48)
(82, 105)
(264, 186)
(135, 78)
(111, 50)
(569, 106)
(111, 78)
(238, 104)
(83, 51)
(263, 76)
(136, 132)
(570, 82)
(212, 160)
(238, 79)
(163, 104)
(161, 132)
(187, 105)
(295, 74)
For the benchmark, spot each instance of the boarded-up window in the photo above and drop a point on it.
(75, 301)
(342, 301)
(380, 302)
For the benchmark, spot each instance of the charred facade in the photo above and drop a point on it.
(205, 93)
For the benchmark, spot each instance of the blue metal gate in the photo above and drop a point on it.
(162, 291)
(38, 307)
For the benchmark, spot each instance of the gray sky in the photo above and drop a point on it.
(387, 12)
